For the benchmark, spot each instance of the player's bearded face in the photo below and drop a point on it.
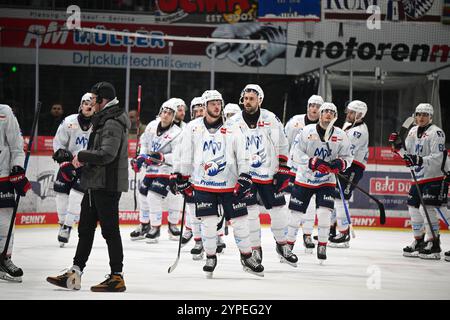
(199, 112)
(326, 116)
(214, 108)
(251, 102)
(181, 112)
(351, 116)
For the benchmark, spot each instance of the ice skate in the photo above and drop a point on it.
(113, 283)
(208, 268)
(187, 236)
(431, 250)
(321, 253)
(341, 240)
(220, 245)
(250, 265)
(412, 251)
(140, 232)
(174, 232)
(153, 235)
(64, 235)
(286, 255)
(197, 251)
(257, 254)
(9, 271)
(447, 256)
(69, 280)
(308, 243)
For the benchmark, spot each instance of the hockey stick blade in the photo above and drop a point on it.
(378, 202)
(174, 265)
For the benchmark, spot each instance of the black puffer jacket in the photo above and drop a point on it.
(106, 157)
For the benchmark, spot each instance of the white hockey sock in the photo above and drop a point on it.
(324, 222)
(73, 207)
(295, 219)
(241, 234)
(434, 219)
(174, 205)
(417, 223)
(254, 224)
(308, 218)
(62, 201)
(333, 216)
(5, 221)
(154, 202)
(209, 234)
(279, 223)
(195, 222)
(187, 219)
(144, 213)
(341, 217)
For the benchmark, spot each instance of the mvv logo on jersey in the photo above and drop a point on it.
(322, 153)
(253, 140)
(212, 145)
(42, 187)
(82, 141)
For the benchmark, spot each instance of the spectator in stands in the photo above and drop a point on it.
(49, 122)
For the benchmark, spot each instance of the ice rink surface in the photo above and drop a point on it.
(372, 268)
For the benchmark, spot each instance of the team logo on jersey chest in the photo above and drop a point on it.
(212, 145)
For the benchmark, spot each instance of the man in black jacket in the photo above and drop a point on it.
(104, 177)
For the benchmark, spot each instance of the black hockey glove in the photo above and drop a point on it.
(413, 160)
(67, 172)
(281, 178)
(19, 181)
(183, 184)
(62, 155)
(173, 183)
(243, 185)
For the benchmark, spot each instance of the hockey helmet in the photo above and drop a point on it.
(86, 97)
(315, 99)
(328, 106)
(425, 108)
(197, 101)
(231, 109)
(210, 95)
(358, 107)
(252, 88)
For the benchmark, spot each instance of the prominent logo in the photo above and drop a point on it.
(81, 141)
(42, 187)
(322, 153)
(212, 145)
(214, 166)
(256, 161)
(253, 140)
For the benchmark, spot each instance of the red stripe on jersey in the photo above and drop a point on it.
(359, 164)
(430, 180)
(200, 188)
(262, 181)
(313, 186)
(157, 176)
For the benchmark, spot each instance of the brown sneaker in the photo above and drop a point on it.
(70, 280)
(113, 283)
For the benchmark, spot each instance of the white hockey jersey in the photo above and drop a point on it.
(11, 142)
(70, 136)
(293, 126)
(359, 143)
(430, 146)
(307, 145)
(265, 144)
(166, 143)
(213, 160)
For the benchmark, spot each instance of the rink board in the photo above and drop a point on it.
(388, 182)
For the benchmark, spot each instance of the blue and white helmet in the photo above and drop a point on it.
(170, 104)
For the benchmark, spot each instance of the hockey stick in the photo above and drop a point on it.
(438, 210)
(327, 137)
(25, 166)
(138, 125)
(174, 265)
(407, 124)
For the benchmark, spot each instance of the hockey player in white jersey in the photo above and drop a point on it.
(192, 223)
(71, 137)
(230, 110)
(424, 145)
(267, 146)
(12, 181)
(358, 135)
(317, 161)
(158, 146)
(292, 128)
(215, 158)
